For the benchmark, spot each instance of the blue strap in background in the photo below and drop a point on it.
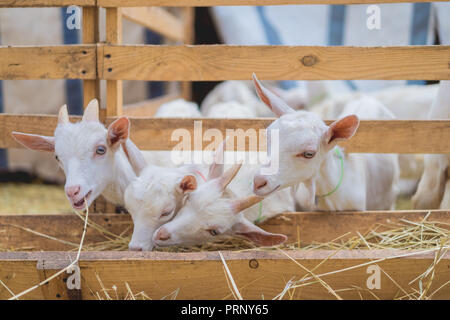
(419, 28)
(74, 90)
(154, 88)
(3, 152)
(336, 23)
(273, 38)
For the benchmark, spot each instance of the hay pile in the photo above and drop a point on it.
(406, 235)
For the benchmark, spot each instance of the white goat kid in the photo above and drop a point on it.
(178, 108)
(230, 109)
(155, 197)
(91, 156)
(237, 91)
(433, 191)
(213, 211)
(308, 154)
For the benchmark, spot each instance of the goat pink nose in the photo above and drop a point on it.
(73, 191)
(133, 248)
(162, 234)
(259, 182)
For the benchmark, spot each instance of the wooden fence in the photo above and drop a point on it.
(200, 275)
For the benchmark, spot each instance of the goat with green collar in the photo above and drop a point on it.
(309, 155)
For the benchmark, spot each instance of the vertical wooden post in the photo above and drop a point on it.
(114, 90)
(188, 15)
(91, 88)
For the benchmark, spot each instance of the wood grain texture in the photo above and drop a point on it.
(48, 62)
(373, 136)
(228, 62)
(45, 3)
(156, 19)
(210, 3)
(201, 276)
(313, 227)
(91, 34)
(114, 88)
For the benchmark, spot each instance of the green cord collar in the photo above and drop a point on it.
(341, 177)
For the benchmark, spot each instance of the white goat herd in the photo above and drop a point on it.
(195, 203)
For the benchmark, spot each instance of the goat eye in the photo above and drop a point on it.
(166, 213)
(308, 154)
(56, 157)
(213, 232)
(100, 150)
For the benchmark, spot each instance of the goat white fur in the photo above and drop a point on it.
(433, 191)
(155, 197)
(238, 91)
(91, 156)
(230, 109)
(215, 210)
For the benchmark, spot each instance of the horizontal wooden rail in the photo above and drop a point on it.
(211, 3)
(48, 62)
(222, 62)
(186, 3)
(45, 3)
(228, 62)
(312, 227)
(373, 136)
(156, 19)
(257, 274)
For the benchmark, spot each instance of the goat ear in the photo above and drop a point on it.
(228, 176)
(274, 102)
(63, 115)
(35, 142)
(263, 238)
(134, 156)
(343, 129)
(187, 184)
(91, 111)
(216, 168)
(242, 204)
(118, 132)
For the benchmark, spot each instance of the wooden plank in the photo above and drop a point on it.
(147, 108)
(91, 88)
(257, 274)
(373, 136)
(45, 3)
(114, 88)
(156, 19)
(228, 62)
(397, 136)
(47, 62)
(313, 227)
(211, 3)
